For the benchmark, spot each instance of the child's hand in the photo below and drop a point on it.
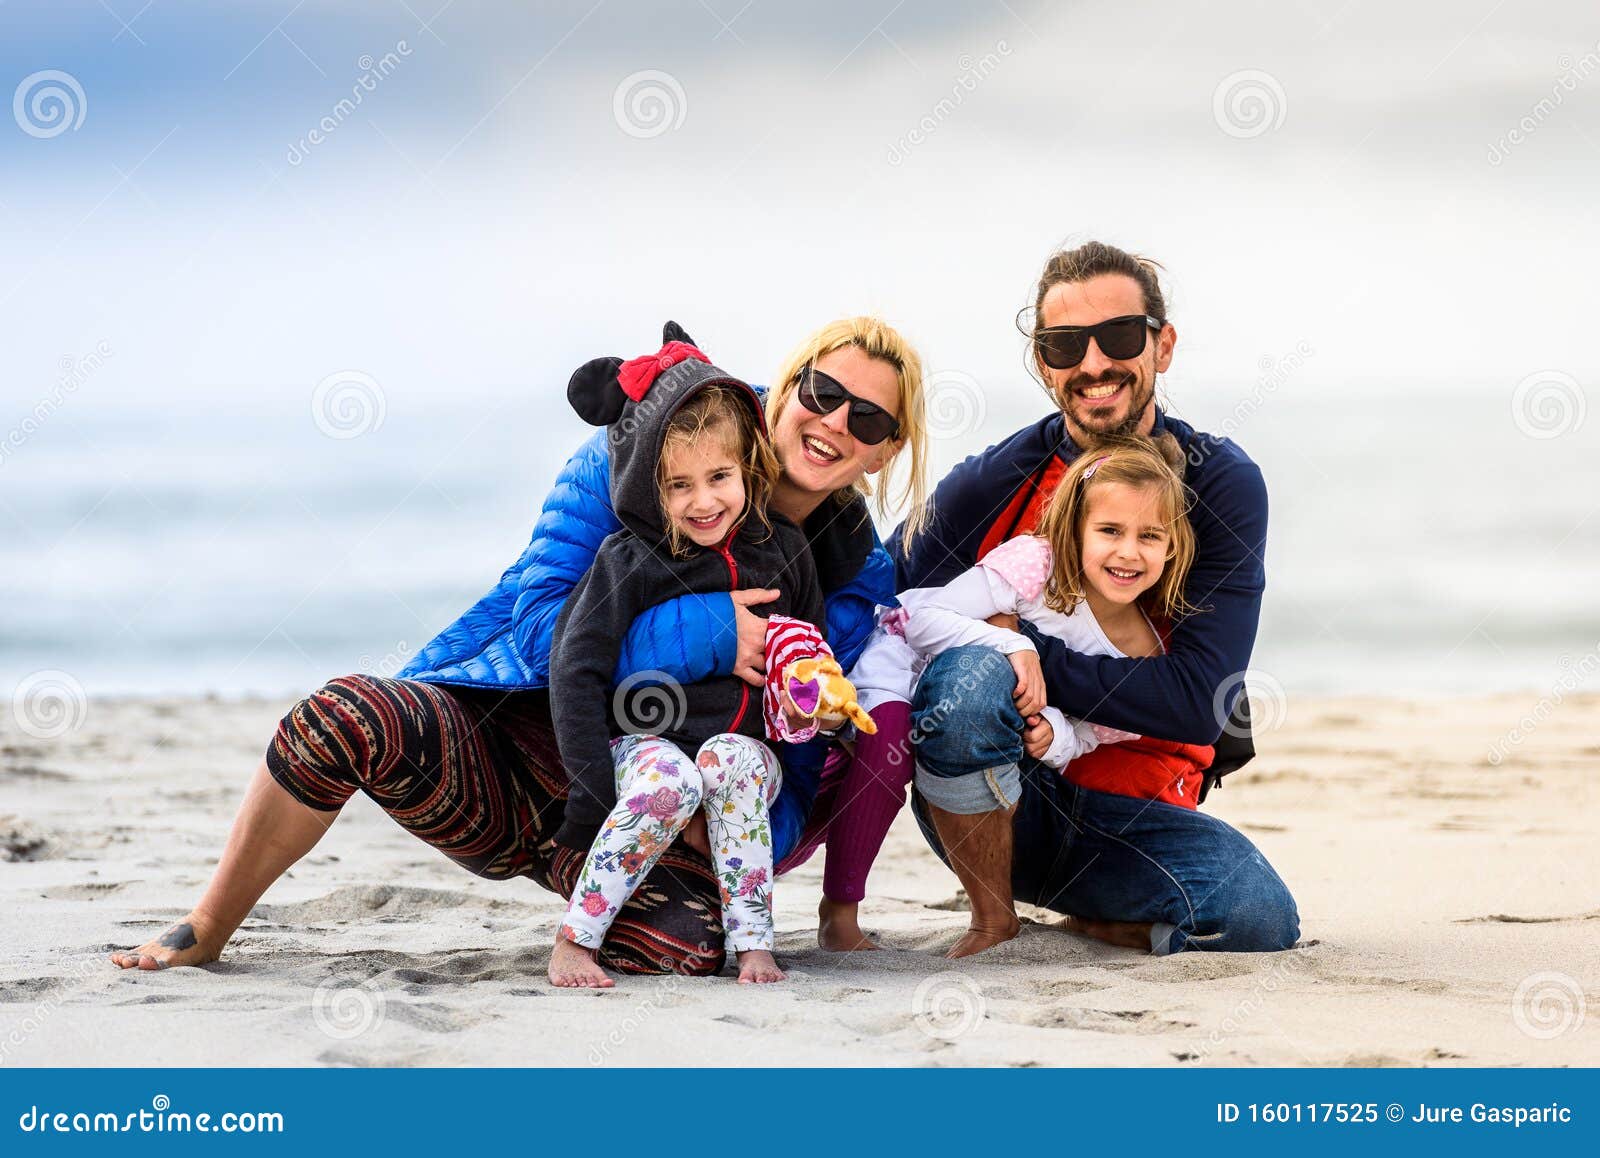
(1030, 682)
(1037, 737)
(797, 719)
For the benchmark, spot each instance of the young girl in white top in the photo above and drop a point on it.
(1105, 570)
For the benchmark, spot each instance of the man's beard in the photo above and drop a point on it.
(1112, 424)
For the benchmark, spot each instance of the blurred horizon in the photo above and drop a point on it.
(292, 291)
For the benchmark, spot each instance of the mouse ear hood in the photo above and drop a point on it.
(636, 399)
(595, 391)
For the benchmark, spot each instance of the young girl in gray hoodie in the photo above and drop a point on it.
(691, 471)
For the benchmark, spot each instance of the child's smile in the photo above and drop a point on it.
(1125, 541)
(703, 491)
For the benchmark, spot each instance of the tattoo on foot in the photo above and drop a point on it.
(179, 937)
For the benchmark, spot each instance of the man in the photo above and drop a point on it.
(1131, 871)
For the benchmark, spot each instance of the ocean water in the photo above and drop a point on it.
(1419, 545)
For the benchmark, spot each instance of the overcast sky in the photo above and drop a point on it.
(1324, 172)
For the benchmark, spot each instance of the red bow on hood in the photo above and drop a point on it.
(636, 375)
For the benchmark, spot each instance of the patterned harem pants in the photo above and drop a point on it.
(475, 773)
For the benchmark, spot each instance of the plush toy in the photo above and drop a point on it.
(819, 691)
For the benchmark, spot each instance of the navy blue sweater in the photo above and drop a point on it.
(1171, 697)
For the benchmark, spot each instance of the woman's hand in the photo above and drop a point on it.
(1037, 737)
(1030, 682)
(750, 663)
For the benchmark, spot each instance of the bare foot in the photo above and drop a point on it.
(985, 935)
(758, 967)
(189, 942)
(574, 967)
(1128, 934)
(839, 927)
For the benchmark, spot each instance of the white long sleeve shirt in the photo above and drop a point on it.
(1009, 580)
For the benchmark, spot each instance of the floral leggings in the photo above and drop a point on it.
(733, 779)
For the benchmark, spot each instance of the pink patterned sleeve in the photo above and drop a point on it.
(1023, 562)
(787, 640)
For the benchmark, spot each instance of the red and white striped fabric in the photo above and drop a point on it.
(787, 640)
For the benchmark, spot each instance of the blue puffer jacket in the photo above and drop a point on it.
(503, 640)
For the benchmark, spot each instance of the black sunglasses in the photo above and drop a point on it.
(1063, 347)
(868, 422)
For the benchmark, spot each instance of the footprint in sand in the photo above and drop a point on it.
(22, 840)
(1067, 1016)
(86, 891)
(32, 772)
(1186, 967)
(369, 902)
(1513, 919)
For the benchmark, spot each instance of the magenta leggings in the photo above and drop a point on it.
(857, 802)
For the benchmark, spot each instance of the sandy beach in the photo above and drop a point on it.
(1450, 909)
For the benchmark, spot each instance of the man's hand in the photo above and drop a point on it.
(750, 662)
(1029, 695)
(1037, 737)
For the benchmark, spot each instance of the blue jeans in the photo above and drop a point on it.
(1200, 883)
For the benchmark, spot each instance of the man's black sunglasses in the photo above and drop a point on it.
(1063, 347)
(868, 422)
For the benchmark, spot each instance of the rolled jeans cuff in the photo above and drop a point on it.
(981, 790)
(1165, 939)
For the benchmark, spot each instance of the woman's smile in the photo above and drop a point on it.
(819, 450)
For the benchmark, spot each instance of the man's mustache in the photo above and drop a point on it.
(1115, 379)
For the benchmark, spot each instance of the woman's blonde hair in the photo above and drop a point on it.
(1136, 462)
(717, 412)
(877, 339)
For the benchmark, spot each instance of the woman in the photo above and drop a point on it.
(459, 749)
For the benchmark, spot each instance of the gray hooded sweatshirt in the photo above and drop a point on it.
(634, 570)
